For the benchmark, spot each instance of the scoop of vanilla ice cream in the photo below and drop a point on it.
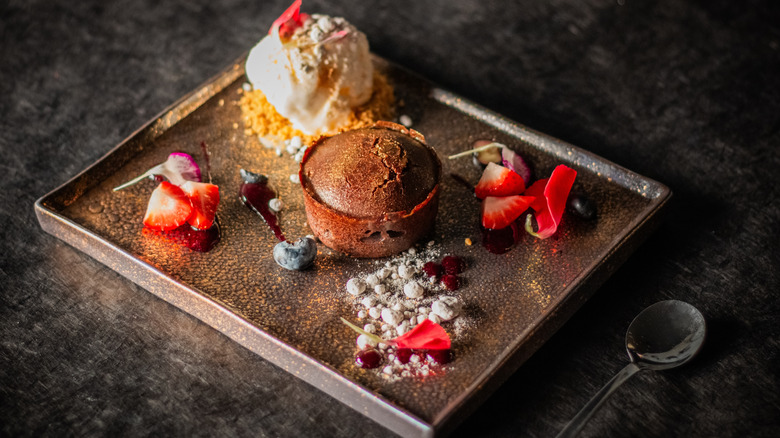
(315, 77)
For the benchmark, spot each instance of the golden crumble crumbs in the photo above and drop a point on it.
(260, 117)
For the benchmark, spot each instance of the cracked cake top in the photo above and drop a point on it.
(371, 172)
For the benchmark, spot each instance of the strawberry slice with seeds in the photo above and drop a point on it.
(500, 212)
(204, 198)
(168, 208)
(499, 181)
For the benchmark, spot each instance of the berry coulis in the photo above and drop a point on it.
(255, 193)
(196, 240)
(500, 241)
(185, 235)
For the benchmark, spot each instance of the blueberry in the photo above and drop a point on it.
(582, 206)
(296, 256)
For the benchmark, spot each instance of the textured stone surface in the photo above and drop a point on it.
(686, 93)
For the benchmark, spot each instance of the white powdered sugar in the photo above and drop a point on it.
(446, 307)
(413, 289)
(356, 286)
(275, 204)
(392, 317)
(364, 341)
(398, 296)
(406, 271)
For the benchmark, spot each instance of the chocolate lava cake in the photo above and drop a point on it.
(371, 192)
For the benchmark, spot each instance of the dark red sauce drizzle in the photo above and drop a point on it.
(500, 241)
(256, 195)
(185, 235)
(196, 240)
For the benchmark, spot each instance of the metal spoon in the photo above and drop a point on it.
(664, 335)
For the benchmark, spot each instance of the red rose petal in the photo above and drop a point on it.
(426, 335)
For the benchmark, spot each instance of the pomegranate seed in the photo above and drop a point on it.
(440, 356)
(432, 269)
(451, 282)
(453, 265)
(403, 355)
(368, 359)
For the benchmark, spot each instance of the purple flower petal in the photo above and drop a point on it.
(177, 169)
(181, 166)
(513, 161)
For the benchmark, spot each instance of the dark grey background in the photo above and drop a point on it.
(685, 92)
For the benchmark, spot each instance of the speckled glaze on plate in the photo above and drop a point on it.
(516, 301)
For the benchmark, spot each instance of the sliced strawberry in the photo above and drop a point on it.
(500, 212)
(204, 199)
(499, 181)
(168, 208)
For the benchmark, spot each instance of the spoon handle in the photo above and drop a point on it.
(576, 423)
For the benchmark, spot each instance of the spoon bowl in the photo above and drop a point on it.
(663, 336)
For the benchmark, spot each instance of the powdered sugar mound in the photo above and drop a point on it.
(398, 296)
(446, 307)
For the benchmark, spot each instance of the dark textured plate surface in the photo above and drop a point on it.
(514, 301)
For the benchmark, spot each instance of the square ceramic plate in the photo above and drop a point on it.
(513, 302)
